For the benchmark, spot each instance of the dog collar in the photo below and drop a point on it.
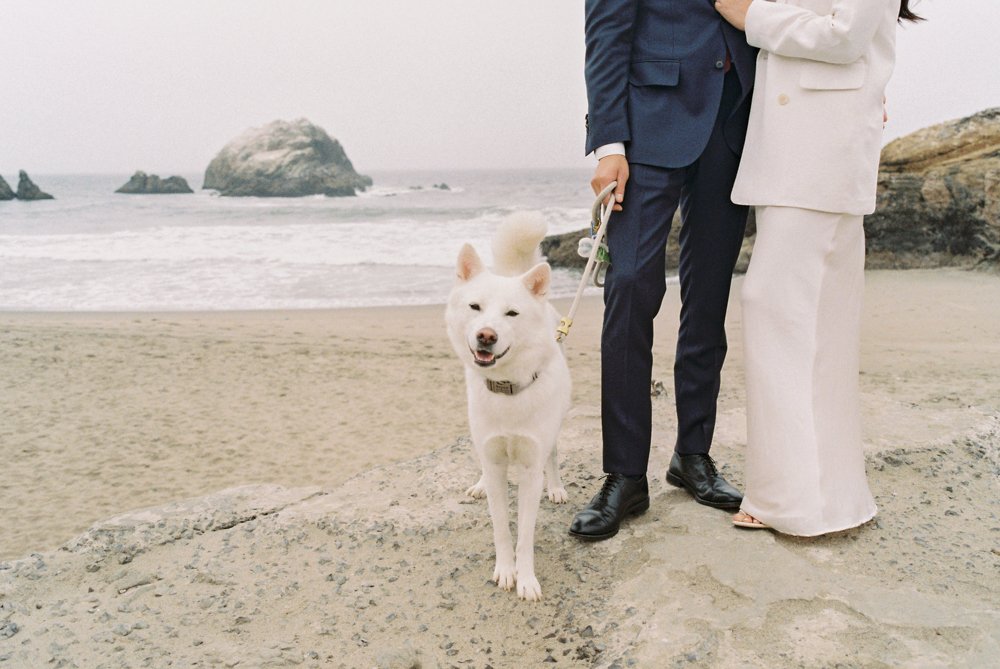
(508, 387)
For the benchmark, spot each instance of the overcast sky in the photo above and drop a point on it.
(119, 85)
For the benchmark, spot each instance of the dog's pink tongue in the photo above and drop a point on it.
(484, 356)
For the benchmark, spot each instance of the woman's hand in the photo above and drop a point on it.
(734, 11)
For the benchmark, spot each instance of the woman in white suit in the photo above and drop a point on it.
(809, 168)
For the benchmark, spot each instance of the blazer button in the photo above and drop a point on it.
(719, 65)
(782, 99)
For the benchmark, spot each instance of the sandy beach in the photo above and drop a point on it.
(343, 539)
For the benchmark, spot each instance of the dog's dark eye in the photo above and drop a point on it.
(511, 313)
(474, 306)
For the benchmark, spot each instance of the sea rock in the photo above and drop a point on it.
(939, 196)
(152, 184)
(284, 159)
(27, 190)
(6, 193)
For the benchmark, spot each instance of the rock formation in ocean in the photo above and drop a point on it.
(27, 190)
(284, 159)
(939, 196)
(152, 184)
(938, 202)
(6, 193)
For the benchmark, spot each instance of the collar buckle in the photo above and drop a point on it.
(508, 387)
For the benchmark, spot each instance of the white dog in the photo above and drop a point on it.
(504, 330)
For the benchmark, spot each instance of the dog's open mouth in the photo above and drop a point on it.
(486, 358)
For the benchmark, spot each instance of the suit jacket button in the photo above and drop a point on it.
(782, 99)
(719, 65)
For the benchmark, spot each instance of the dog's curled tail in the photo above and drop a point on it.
(515, 245)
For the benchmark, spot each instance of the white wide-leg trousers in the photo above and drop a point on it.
(805, 467)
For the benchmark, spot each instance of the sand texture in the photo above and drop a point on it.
(341, 537)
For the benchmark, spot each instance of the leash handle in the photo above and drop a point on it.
(599, 217)
(597, 213)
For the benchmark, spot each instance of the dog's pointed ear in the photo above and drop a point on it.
(469, 263)
(538, 278)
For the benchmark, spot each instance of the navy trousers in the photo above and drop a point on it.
(710, 239)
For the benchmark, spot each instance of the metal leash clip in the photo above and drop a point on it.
(595, 251)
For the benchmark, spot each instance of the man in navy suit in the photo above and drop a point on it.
(668, 86)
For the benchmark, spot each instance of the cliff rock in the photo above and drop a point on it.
(939, 196)
(152, 184)
(938, 202)
(284, 159)
(27, 190)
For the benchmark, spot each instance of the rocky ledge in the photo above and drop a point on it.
(938, 202)
(6, 193)
(939, 196)
(284, 159)
(391, 571)
(142, 183)
(560, 250)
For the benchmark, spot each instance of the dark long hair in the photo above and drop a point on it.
(905, 14)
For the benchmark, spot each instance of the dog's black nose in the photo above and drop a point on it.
(486, 337)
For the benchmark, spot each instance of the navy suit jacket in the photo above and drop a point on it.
(654, 73)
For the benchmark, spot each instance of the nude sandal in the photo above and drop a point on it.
(744, 519)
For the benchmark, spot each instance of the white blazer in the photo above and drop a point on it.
(815, 129)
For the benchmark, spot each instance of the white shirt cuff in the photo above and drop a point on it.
(615, 149)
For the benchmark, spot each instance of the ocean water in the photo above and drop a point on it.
(91, 249)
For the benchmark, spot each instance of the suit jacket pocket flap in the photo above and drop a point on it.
(831, 77)
(655, 73)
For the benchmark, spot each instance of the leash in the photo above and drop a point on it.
(596, 257)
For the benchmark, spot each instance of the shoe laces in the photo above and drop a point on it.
(610, 483)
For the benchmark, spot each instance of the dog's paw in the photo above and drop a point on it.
(504, 576)
(558, 495)
(528, 587)
(477, 491)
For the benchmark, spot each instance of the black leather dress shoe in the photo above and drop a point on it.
(697, 473)
(619, 497)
